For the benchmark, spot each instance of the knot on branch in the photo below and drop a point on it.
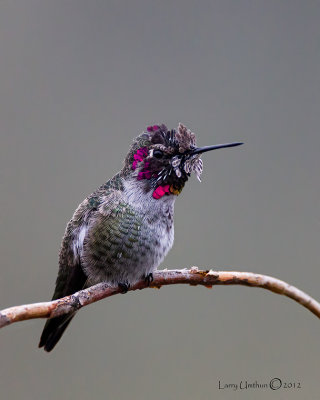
(194, 276)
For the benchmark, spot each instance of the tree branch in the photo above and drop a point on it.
(193, 277)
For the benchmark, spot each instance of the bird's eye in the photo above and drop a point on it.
(157, 153)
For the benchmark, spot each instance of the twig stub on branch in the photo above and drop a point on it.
(194, 276)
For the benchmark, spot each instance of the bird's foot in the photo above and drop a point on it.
(148, 278)
(124, 287)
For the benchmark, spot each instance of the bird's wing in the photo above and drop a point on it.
(71, 277)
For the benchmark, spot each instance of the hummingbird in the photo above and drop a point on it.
(122, 232)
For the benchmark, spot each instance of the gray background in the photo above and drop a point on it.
(78, 81)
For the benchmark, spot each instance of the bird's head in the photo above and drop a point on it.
(163, 160)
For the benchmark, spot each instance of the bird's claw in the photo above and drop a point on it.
(124, 287)
(148, 278)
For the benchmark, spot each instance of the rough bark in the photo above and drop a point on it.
(193, 276)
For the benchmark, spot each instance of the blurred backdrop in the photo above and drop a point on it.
(78, 81)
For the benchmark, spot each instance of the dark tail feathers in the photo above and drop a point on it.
(53, 330)
(70, 280)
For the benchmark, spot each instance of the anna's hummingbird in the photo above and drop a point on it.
(122, 231)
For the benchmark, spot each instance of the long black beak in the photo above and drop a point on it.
(200, 150)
